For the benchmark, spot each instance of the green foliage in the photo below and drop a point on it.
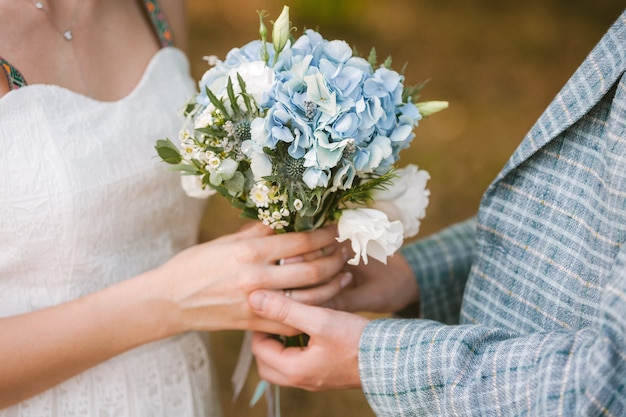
(219, 104)
(168, 151)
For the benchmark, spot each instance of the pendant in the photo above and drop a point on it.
(39, 5)
(68, 35)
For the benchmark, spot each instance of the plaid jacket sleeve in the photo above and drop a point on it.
(422, 368)
(543, 318)
(441, 264)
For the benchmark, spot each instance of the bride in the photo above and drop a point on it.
(102, 285)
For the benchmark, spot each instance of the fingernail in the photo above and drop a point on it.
(256, 300)
(345, 280)
(344, 253)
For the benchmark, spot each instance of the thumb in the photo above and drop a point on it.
(274, 306)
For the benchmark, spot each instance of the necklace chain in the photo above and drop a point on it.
(67, 33)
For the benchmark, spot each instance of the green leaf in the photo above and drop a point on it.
(232, 98)
(412, 91)
(362, 193)
(186, 168)
(247, 99)
(189, 108)
(372, 58)
(387, 63)
(303, 223)
(235, 185)
(250, 213)
(168, 151)
(216, 102)
(209, 131)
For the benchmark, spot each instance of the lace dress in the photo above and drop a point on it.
(85, 203)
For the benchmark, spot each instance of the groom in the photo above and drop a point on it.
(538, 280)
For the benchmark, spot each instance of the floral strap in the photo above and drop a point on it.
(14, 77)
(159, 22)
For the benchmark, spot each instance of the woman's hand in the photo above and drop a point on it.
(207, 285)
(329, 361)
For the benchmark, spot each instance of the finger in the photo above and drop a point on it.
(350, 299)
(272, 327)
(272, 357)
(250, 230)
(287, 245)
(274, 306)
(302, 274)
(322, 293)
(310, 256)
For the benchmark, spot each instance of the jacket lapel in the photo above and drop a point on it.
(597, 74)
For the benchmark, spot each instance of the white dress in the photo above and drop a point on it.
(85, 202)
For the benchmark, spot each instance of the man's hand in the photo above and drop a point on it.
(330, 361)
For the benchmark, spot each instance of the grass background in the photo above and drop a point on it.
(499, 64)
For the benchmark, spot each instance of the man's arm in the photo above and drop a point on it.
(441, 265)
(419, 367)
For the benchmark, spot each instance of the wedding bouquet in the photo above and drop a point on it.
(300, 133)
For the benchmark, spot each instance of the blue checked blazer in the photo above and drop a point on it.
(524, 307)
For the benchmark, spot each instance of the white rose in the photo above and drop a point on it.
(260, 162)
(192, 184)
(258, 77)
(406, 199)
(370, 233)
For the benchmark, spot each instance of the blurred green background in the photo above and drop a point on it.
(499, 63)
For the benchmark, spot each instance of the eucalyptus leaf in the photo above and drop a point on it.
(249, 213)
(188, 169)
(303, 223)
(168, 151)
(235, 185)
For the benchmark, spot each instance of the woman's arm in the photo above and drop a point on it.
(43, 348)
(203, 288)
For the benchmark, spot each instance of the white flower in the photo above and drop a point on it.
(260, 162)
(427, 108)
(370, 233)
(192, 184)
(281, 29)
(259, 79)
(189, 149)
(184, 134)
(406, 199)
(205, 118)
(297, 204)
(212, 60)
(260, 195)
(213, 162)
